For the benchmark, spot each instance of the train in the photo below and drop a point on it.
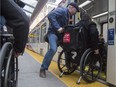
(102, 12)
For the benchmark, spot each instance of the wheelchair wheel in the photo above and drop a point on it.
(11, 74)
(9, 68)
(90, 66)
(66, 65)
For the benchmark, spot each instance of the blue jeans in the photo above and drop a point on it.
(51, 52)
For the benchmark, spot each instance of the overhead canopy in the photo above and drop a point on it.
(29, 6)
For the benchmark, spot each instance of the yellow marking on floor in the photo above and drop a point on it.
(69, 80)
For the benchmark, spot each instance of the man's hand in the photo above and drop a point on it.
(60, 30)
(96, 51)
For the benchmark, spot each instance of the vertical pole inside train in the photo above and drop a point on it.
(111, 60)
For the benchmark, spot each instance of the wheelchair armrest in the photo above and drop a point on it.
(7, 35)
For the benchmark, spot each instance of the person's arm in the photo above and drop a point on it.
(54, 16)
(94, 37)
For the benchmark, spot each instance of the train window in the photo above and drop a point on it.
(31, 40)
(38, 34)
(105, 28)
(32, 37)
(43, 32)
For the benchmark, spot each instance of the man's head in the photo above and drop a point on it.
(73, 8)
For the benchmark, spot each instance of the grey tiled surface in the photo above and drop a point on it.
(29, 74)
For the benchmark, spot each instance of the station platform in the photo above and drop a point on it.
(29, 66)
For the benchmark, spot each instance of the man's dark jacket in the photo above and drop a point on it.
(93, 35)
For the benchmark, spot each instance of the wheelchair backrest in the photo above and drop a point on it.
(5, 36)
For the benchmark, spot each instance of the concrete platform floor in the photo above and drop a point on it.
(29, 74)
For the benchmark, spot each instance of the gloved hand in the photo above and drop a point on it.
(60, 30)
(96, 51)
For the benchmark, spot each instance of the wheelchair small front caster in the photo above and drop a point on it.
(61, 74)
(78, 82)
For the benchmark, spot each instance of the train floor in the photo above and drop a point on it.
(29, 65)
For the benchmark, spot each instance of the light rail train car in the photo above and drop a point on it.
(97, 9)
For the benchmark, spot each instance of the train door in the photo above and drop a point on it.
(111, 60)
(103, 37)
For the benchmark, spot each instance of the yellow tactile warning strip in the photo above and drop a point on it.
(69, 80)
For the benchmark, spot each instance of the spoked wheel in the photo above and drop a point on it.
(11, 71)
(66, 62)
(90, 66)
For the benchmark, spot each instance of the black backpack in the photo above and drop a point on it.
(70, 38)
(75, 38)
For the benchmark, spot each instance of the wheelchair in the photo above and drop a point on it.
(81, 58)
(8, 64)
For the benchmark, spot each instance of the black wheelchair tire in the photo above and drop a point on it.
(59, 67)
(7, 67)
(3, 53)
(82, 64)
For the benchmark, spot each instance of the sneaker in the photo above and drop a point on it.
(42, 73)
